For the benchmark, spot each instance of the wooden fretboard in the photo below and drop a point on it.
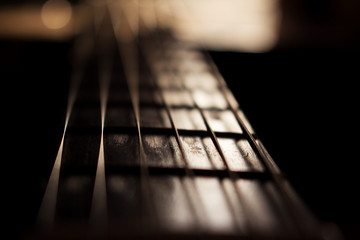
(156, 146)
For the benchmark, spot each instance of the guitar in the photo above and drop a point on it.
(155, 146)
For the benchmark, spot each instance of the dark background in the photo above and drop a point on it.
(301, 98)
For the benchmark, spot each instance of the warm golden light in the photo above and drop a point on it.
(56, 14)
(246, 25)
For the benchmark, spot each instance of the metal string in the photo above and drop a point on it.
(191, 191)
(47, 210)
(270, 166)
(232, 175)
(129, 52)
(198, 212)
(98, 213)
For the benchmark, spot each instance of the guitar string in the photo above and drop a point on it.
(98, 214)
(276, 175)
(233, 176)
(199, 212)
(128, 49)
(270, 166)
(71, 100)
(47, 211)
(226, 195)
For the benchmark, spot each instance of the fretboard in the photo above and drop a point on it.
(156, 146)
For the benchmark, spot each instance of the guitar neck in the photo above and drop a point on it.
(156, 146)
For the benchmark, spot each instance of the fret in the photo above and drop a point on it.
(295, 208)
(180, 171)
(247, 131)
(267, 163)
(193, 161)
(232, 175)
(177, 122)
(188, 183)
(129, 56)
(155, 144)
(149, 130)
(223, 217)
(215, 140)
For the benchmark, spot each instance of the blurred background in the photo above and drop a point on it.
(293, 65)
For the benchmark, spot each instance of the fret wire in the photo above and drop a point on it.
(269, 165)
(156, 105)
(199, 210)
(213, 137)
(179, 171)
(232, 175)
(167, 106)
(265, 160)
(272, 173)
(129, 55)
(277, 178)
(208, 127)
(188, 171)
(153, 130)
